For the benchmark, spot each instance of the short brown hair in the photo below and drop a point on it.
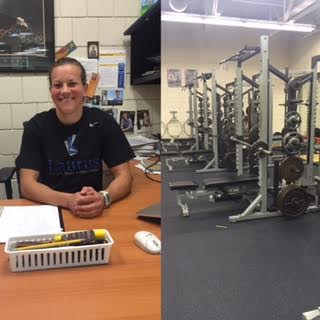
(65, 61)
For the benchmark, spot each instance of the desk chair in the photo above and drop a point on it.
(6, 175)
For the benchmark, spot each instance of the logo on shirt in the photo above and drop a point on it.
(92, 124)
(71, 148)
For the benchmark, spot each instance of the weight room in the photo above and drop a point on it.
(239, 124)
(231, 59)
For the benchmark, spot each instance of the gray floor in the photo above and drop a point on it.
(256, 270)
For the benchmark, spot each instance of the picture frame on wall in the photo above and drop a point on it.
(26, 35)
(93, 49)
(112, 97)
(127, 120)
(143, 119)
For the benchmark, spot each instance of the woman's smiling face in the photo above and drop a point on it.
(67, 90)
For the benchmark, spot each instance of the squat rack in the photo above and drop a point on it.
(259, 206)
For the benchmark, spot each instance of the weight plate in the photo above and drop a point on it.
(292, 201)
(201, 120)
(255, 152)
(291, 169)
(292, 143)
(229, 161)
(293, 120)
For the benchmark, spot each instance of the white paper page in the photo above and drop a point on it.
(90, 65)
(28, 220)
(137, 141)
(109, 76)
(109, 61)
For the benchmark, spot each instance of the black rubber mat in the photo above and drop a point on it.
(265, 269)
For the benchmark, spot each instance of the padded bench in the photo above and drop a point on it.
(229, 180)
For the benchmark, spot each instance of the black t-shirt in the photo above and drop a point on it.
(70, 157)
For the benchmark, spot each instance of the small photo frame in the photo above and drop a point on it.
(93, 49)
(112, 97)
(143, 119)
(104, 97)
(127, 120)
(96, 101)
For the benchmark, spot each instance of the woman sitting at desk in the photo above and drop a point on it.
(62, 149)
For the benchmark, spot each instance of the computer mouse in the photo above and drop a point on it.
(148, 242)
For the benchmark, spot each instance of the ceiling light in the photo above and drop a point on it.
(236, 22)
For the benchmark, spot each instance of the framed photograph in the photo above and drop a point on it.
(143, 119)
(26, 35)
(112, 97)
(127, 120)
(93, 49)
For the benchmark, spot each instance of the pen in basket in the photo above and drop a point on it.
(65, 239)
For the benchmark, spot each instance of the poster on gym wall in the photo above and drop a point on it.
(190, 76)
(174, 78)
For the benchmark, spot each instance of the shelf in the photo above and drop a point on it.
(148, 79)
(145, 47)
(152, 14)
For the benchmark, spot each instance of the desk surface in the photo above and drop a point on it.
(126, 288)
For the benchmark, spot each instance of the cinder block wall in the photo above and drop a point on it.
(23, 95)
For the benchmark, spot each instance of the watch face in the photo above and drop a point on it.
(107, 198)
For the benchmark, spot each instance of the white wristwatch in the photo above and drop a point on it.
(106, 197)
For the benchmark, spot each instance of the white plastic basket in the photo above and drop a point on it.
(51, 258)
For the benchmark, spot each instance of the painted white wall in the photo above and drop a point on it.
(23, 95)
(187, 46)
(303, 49)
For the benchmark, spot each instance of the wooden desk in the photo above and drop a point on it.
(126, 288)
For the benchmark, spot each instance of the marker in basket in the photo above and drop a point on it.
(89, 235)
(80, 237)
(53, 244)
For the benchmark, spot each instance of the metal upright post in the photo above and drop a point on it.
(312, 121)
(195, 112)
(270, 116)
(214, 108)
(205, 113)
(213, 164)
(238, 119)
(191, 119)
(264, 120)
